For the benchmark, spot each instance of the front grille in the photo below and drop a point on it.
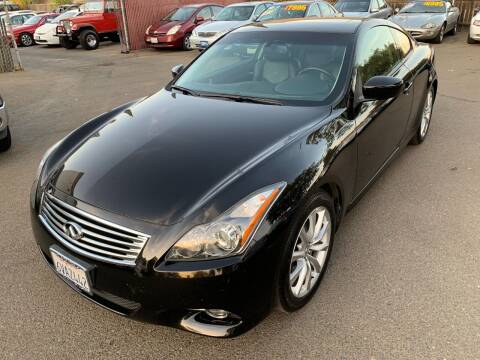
(99, 239)
(207, 34)
(66, 26)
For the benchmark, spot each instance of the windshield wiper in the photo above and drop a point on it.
(241, 98)
(184, 90)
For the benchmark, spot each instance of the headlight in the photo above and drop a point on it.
(148, 30)
(174, 30)
(230, 233)
(429, 26)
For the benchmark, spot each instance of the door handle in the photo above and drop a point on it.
(408, 85)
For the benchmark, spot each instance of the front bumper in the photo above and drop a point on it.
(3, 121)
(201, 43)
(176, 295)
(424, 34)
(46, 39)
(164, 41)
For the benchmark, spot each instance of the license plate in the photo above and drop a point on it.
(71, 270)
(203, 44)
(154, 40)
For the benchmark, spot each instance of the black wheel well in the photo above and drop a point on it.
(335, 193)
(83, 28)
(435, 85)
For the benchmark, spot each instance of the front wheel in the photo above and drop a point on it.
(186, 42)
(6, 142)
(439, 38)
(426, 117)
(307, 251)
(89, 40)
(26, 39)
(68, 44)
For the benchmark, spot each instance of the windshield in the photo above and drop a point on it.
(94, 6)
(181, 14)
(352, 6)
(65, 15)
(33, 20)
(289, 67)
(424, 7)
(284, 12)
(235, 13)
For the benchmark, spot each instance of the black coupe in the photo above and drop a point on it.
(211, 201)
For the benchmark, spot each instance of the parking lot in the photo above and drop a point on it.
(404, 278)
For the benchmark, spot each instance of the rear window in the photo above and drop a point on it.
(286, 11)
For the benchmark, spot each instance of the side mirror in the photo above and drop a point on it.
(199, 19)
(177, 69)
(382, 88)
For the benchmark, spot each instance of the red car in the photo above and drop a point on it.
(24, 33)
(174, 30)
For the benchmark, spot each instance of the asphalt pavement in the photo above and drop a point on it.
(404, 277)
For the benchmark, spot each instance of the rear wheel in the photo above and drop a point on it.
(186, 42)
(26, 39)
(470, 40)
(5, 143)
(426, 117)
(306, 254)
(89, 40)
(68, 44)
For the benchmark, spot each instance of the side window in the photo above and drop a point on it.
(259, 10)
(325, 9)
(377, 53)
(216, 10)
(403, 42)
(18, 20)
(374, 5)
(205, 13)
(314, 10)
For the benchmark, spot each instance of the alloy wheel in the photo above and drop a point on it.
(310, 252)
(26, 40)
(186, 43)
(427, 114)
(91, 40)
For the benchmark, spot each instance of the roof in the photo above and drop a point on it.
(250, 3)
(321, 25)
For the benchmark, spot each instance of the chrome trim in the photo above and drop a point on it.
(101, 240)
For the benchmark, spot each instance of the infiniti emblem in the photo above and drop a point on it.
(73, 230)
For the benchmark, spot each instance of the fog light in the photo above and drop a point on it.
(217, 313)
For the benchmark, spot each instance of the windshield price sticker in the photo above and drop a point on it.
(296, 7)
(433, 3)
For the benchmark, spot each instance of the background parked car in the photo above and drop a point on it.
(299, 9)
(231, 17)
(9, 6)
(47, 33)
(24, 33)
(17, 17)
(365, 8)
(474, 34)
(428, 20)
(97, 23)
(67, 7)
(175, 29)
(5, 136)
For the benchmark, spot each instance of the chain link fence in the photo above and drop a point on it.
(6, 59)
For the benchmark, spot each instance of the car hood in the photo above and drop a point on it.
(160, 157)
(417, 20)
(164, 25)
(46, 28)
(221, 26)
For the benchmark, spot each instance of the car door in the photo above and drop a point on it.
(452, 16)
(380, 124)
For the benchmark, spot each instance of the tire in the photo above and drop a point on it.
(89, 40)
(439, 38)
(68, 44)
(186, 42)
(288, 298)
(422, 132)
(6, 142)
(26, 39)
(454, 30)
(470, 40)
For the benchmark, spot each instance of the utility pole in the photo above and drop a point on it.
(9, 31)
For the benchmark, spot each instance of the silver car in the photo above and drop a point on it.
(378, 9)
(5, 137)
(428, 20)
(230, 18)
